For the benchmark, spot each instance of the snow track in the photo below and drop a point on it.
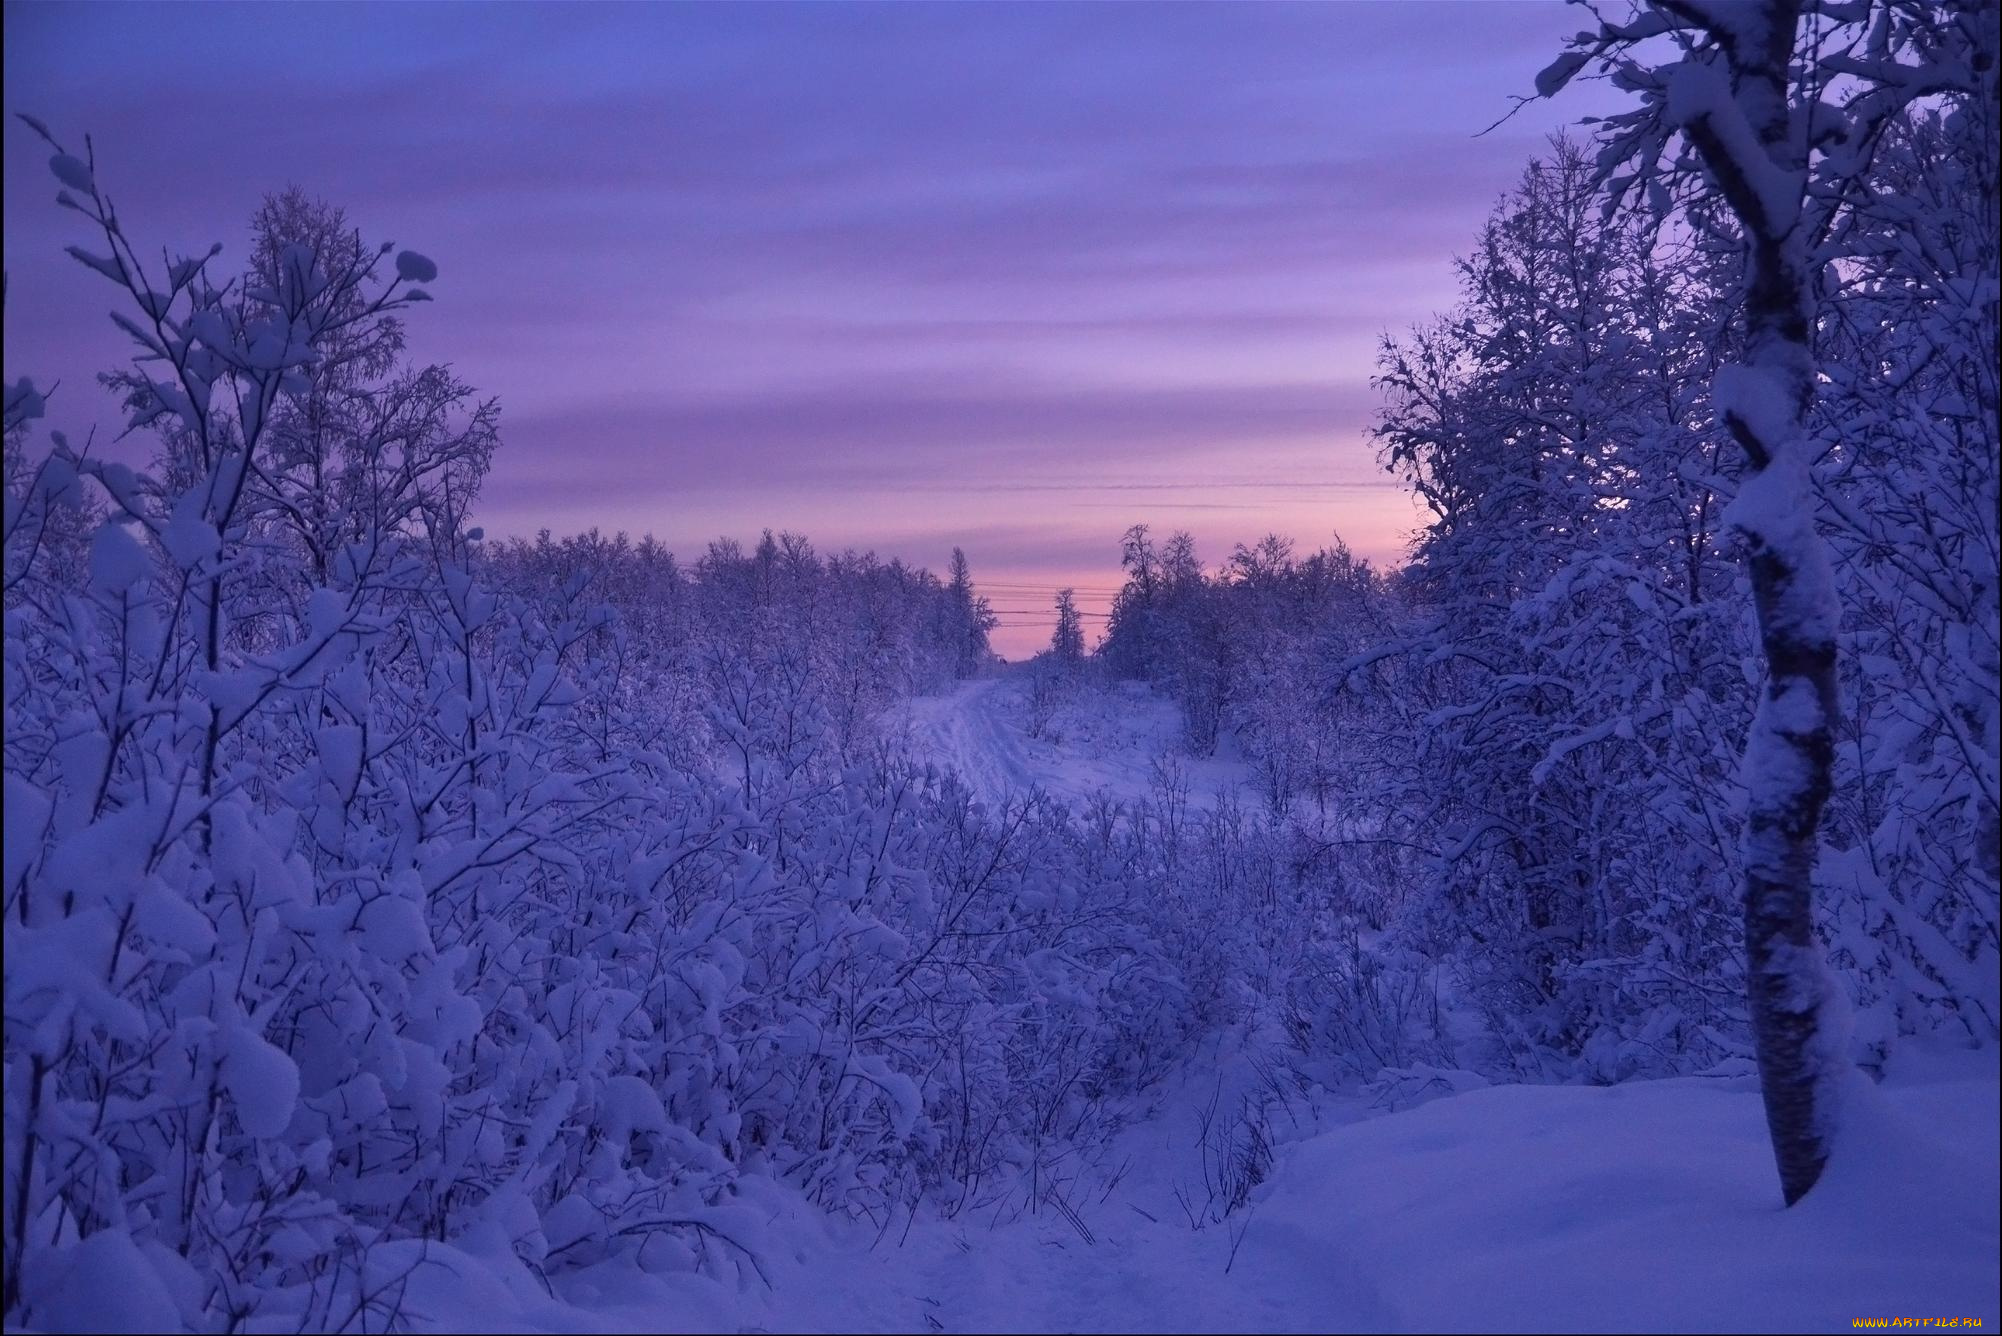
(967, 731)
(1098, 740)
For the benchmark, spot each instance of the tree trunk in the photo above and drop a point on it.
(1789, 754)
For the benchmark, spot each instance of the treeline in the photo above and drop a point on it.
(1545, 708)
(1243, 648)
(850, 631)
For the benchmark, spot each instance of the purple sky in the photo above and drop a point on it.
(1007, 276)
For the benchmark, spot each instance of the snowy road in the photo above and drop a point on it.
(966, 730)
(1097, 741)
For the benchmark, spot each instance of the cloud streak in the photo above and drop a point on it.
(886, 273)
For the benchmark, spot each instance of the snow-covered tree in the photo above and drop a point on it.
(366, 889)
(1067, 641)
(1778, 109)
(1578, 686)
(969, 618)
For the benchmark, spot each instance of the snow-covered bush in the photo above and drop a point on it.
(365, 888)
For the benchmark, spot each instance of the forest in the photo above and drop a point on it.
(566, 915)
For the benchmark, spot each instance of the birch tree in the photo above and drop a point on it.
(1777, 109)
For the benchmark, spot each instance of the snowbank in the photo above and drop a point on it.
(1654, 1206)
(1649, 1206)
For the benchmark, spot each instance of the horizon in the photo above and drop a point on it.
(899, 278)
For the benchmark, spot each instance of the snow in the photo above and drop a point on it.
(262, 1081)
(1699, 92)
(25, 813)
(414, 268)
(72, 172)
(1653, 1206)
(1100, 741)
(340, 747)
(108, 265)
(1647, 1206)
(556, 941)
(106, 1284)
(188, 536)
(1758, 398)
(1775, 506)
(24, 401)
(1552, 79)
(966, 731)
(117, 562)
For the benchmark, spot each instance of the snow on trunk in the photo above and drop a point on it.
(1741, 126)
